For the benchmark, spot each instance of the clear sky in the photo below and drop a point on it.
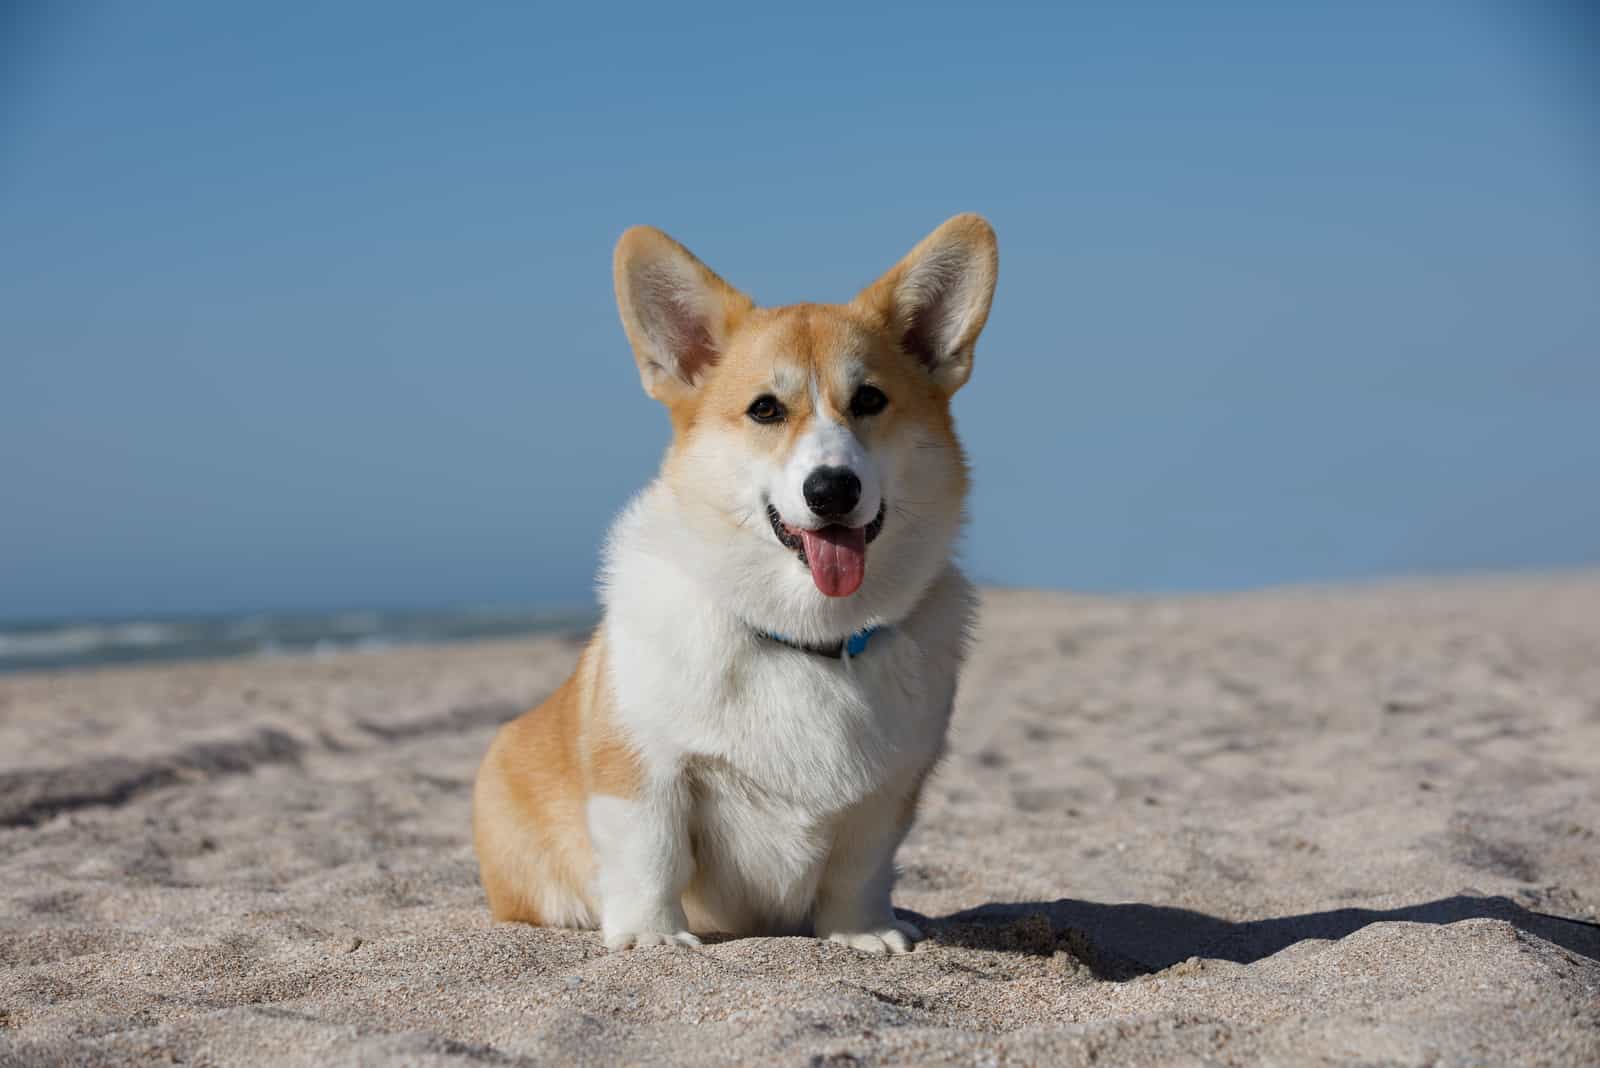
(309, 306)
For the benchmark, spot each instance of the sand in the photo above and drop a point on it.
(1295, 827)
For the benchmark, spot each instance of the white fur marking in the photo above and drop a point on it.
(827, 443)
(643, 863)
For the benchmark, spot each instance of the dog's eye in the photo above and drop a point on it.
(869, 400)
(765, 409)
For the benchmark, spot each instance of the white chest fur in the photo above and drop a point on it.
(769, 752)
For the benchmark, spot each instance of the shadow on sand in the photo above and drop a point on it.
(1124, 941)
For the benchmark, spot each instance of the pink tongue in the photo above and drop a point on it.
(838, 558)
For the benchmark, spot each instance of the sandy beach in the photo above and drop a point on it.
(1350, 825)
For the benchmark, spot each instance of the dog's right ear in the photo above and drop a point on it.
(677, 312)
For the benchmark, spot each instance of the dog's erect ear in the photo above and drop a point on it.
(936, 300)
(677, 312)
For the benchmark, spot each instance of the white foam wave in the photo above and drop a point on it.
(86, 638)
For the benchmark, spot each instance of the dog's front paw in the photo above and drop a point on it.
(885, 940)
(616, 940)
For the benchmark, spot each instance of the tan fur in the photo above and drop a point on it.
(806, 336)
(528, 822)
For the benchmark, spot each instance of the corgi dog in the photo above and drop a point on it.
(741, 746)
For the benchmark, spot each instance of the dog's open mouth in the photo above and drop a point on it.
(836, 555)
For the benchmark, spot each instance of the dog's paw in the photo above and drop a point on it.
(616, 940)
(885, 940)
(642, 939)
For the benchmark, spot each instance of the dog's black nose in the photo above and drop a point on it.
(832, 492)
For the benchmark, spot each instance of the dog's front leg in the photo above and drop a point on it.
(644, 862)
(852, 903)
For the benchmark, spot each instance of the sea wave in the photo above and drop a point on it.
(86, 638)
(34, 645)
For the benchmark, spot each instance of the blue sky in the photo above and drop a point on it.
(309, 306)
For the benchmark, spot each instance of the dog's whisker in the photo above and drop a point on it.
(911, 522)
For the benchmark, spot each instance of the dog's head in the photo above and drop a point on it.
(813, 442)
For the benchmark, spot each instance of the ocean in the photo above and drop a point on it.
(26, 646)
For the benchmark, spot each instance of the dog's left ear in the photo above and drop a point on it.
(936, 300)
(677, 312)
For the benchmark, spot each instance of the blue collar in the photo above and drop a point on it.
(852, 646)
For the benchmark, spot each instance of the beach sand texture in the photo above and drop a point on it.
(1294, 827)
